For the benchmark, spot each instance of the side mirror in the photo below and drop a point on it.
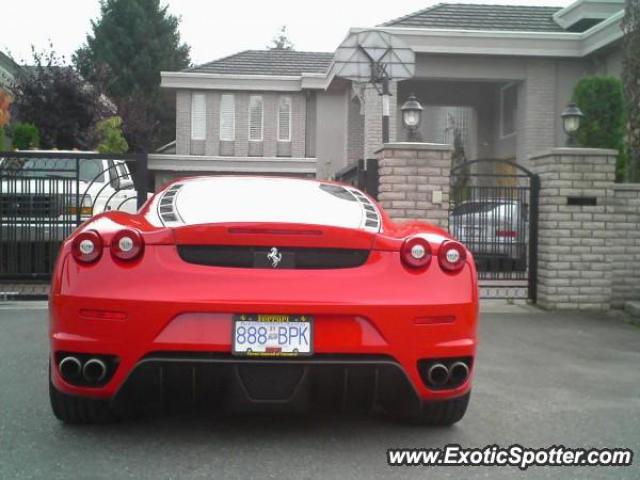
(126, 184)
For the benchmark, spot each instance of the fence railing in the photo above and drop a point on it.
(44, 196)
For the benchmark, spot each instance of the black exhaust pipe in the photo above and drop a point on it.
(94, 370)
(438, 375)
(458, 373)
(70, 368)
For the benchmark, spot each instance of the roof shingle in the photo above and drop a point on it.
(268, 62)
(462, 16)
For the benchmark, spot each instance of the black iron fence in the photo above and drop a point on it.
(44, 196)
(362, 174)
(494, 212)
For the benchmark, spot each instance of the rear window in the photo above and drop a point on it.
(90, 169)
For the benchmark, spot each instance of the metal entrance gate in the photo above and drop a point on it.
(493, 210)
(44, 196)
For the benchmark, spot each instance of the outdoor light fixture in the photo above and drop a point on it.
(571, 119)
(411, 116)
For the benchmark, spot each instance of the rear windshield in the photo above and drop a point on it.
(90, 169)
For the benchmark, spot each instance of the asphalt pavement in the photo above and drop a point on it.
(542, 379)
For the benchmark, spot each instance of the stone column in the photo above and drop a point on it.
(576, 204)
(414, 181)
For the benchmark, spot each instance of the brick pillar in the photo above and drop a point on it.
(576, 204)
(414, 181)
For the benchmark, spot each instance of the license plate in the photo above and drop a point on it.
(272, 335)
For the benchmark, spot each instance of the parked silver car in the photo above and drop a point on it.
(493, 227)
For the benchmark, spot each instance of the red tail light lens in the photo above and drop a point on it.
(87, 247)
(416, 252)
(127, 245)
(452, 256)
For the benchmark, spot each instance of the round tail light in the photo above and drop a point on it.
(127, 245)
(416, 252)
(87, 247)
(452, 256)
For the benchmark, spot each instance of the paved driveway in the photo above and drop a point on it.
(542, 379)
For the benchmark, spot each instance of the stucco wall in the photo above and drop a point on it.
(331, 148)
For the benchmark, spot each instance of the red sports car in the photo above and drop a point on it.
(261, 293)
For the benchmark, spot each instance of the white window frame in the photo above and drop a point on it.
(253, 98)
(201, 121)
(503, 89)
(232, 136)
(287, 138)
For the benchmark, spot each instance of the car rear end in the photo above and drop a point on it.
(274, 314)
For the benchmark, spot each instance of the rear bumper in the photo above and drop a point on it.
(163, 305)
(325, 382)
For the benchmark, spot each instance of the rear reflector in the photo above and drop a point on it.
(103, 314)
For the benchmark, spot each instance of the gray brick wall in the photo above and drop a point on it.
(409, 176)
(183, 122)
(624, 226)
(373, 118)
(574, 242)
(537, 103)
(355, 131)
(212, 145)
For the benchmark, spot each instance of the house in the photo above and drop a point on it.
(8, 71)
(499, 75)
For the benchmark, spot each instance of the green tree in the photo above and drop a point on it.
(131, 42)
(25, 136)
(601, 100)
(110, 137)
(65, 108)
(281, 41)
(631, 79)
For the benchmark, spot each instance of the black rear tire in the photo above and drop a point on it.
(443, 413)
(80, 410)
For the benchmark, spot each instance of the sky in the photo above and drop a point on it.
(214, 28)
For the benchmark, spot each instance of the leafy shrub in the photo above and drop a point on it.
(601, 100)
(110, 136)
(25, 136)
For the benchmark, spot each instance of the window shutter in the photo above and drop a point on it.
(255, 118)
(198, 116)
(284, 119)
(227, 118)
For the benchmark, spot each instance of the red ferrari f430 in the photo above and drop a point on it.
(262, 293)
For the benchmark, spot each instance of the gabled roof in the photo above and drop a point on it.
(462, 16)
(268, 62)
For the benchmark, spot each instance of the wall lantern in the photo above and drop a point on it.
(411, 116)
(571, 119)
